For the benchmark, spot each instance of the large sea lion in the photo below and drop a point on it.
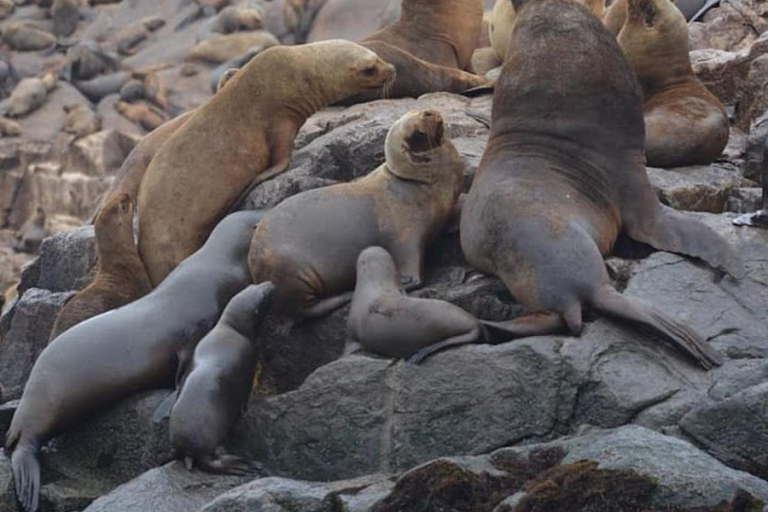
(120, 277)
(129, 349)
(563, 174)
(308, 245)
(431, 47)
(242, 136)
(347, 19)
(685, 124)
(215, 387)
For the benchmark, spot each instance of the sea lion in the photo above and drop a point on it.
(32, 233)
(616, 15)
(147, 86)
(102, 86)
(241, 137)
(87, 60)
(9, 128)
(431, 47)
(120, 277)
(81, 120)
(65, 14)
(231, 19)
(147, 116)
(29, 95)
(564, 173)
(129, 349)
(214, 389)
(131, 36)
(233, 64)
(401, 206)
(685, 124)
(221, 48)
(27, 37)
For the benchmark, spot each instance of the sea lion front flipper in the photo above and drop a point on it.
(612, 303)
(163, 410)
(472, 336)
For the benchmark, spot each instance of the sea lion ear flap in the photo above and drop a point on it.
(644, 10)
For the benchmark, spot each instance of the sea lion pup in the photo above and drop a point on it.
(145, 115)
(132, 35)
(81, 120)
(214, 389)
(32, 233)
(65, 14)
(120, 277)
(242, 136)
(29, 95)
(231, 19)
(685, 124)
(129, 349)
(431, 47)
(401, 206)
(564, 173)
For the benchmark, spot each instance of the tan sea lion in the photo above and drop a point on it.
(32, 233)
(9, 128)
(27, 37)
(685, 124)
(147, 116)
(6, 8)
(616, 14)
(431, 47)
(242, 136)
(127, 350)
(564, 173)
(134, 34)
(214, 388)
(65, 14)
(29, 95)
(120, 276)
(221, 48)
(148, 86)
(231, 19)
(81, 120)
(401, 206)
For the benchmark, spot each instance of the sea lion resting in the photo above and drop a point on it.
(242, 136)
(214, 388)
(308, 245)
(129, 349)
(564, 173)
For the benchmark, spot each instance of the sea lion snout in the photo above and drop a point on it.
(426, 133)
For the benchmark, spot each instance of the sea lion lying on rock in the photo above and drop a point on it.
(221, 48)
(231, 19)
(241, 137)
(29, 95)
(27, 37)
(81, 120)
(402, 206)
(134, 34)
(145, 115)
(564, 173)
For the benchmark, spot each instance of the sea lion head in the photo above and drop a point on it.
(116, 216)
(376, 266)
(417, 148)
(654, 39)
(248, 308)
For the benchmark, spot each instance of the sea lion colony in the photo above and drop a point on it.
(562, 176)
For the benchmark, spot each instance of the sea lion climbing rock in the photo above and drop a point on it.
(685, 124)
(241, 137)
(564, 173)
(120, 277)
(215, 387)
(221, 48)
(129, 349)
(401, 206)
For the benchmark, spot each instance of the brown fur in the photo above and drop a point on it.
(241, 136)
(143, 114)
(81, 120)
(120, 277)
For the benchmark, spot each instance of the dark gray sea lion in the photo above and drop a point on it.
(214, 388)
(65, 14)
(564, 174)
(129, 349)
(102, 86)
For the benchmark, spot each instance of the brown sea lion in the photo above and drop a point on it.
(242, 136)
(127, 350)
(120, 276)
(214, 388)
(32, 233)
(221, 48)
(564, 173)
(9, 128)
(147, 116)
(65, 14)
(27, 37)
(401, 206)
(431, 47)
(134, 34)
(148, 86)
(29, 95)
(81, 120)
(685, 124)
(231, 19)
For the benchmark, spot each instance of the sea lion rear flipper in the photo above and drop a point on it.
(472, 336)
(163, 410)
(26, 473)
(612, 303)
(522, 327)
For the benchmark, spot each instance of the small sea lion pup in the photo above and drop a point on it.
(685, 124)
(564, 173)
(120, 277)
(431, 46)
(129, 349)
(308, 245)
(242, 136)
(214, 389)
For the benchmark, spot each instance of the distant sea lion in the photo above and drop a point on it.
(214, 389)
(102, 86)
(149, 87)
(120, 277)
(616, 15)
(129, 349)
(87, 60)
(29, 95)
(233, 64)
(9, 128)
(685, 124)
(401, 206)
(221, 48)
(143, 114)
(229, 20)
(32, 233)
(27, 37)
(260, 122)
(564, 173)
(81, 120)
(131, 36)
(65, 14)
(6, 8)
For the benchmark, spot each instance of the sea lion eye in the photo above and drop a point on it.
(370, 71)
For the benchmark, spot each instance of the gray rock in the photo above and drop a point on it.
(100, 154)
(67, 260)
(25, 330)
(735, 430)
(703, 188)
(170, 488)
(745, 200)
(756, 148)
